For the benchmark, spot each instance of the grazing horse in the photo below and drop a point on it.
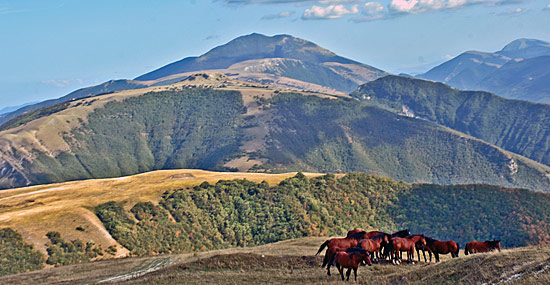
(408, 244)
(373, 245)
(481, 246)
(350, 260)
(441, 247)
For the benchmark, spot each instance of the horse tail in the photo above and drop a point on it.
(457, 249)
(323, 246)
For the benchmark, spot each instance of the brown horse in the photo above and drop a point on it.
(350, 260)
(441, 247)
(337, 242)
(374, 245)
(481, 246)
(407, 244)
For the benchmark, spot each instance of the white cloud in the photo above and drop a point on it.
(421, 6)
(281, 15)
(371, 11)
(329, 12)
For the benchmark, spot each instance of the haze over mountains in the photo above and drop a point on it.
(518, 71)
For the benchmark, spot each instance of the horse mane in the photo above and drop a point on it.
(379, 236)
(358, 235)
(401, 232)
(429, 240)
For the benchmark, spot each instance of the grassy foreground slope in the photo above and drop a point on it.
(292, 262)
(187, 211)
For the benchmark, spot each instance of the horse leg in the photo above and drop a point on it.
(436, 256)
(355, 273)
(348, 273)
(424, 253)
(341, 270)
(328, 269)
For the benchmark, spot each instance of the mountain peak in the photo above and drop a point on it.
(249, 47)
(526, 48)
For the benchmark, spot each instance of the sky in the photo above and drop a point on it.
(49, 48)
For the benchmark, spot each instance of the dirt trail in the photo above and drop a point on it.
(154, 265)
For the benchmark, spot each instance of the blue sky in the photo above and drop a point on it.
(49, 48)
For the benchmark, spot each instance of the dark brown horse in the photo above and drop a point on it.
(337, 242)
(374, 245)
(407, 244)
(481, 246)
(441, 247)
(350, 260)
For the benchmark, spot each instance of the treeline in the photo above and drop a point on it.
(244, 213)
(16, 255)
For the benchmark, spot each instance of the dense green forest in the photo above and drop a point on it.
(244, 213)
(194, 128)
(16, 255)
(518, 126)
(325, 135)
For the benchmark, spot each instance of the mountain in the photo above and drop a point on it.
(281, 60)
(467, 69)
(500, 72)
(282, 55)
(212, 122)
(517, 126)
(13, 108)
(526, 48)
(519, 77)
(189, 211)
(109, 86)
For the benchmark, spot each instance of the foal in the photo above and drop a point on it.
(350, 261)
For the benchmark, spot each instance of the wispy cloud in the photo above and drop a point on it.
(62, 82)
(281, 15)
(513, 11)
(212, 37)
(5, 11)
(329, 12)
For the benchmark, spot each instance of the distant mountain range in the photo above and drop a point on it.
(519, 71)
(275, 104)
(280, 60)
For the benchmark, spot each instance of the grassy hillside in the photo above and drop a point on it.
(517, 126)
(212, 122)
(244, 213)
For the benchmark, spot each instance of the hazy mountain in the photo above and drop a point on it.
(474, 70)
(526, 79)
(467, 69)
(283, 55)
(518, 126)
(525, 48)
(212, 122)
(13, 108)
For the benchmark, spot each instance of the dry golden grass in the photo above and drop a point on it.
(293, 262)
(33, 211)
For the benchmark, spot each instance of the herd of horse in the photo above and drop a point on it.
(361, 247)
